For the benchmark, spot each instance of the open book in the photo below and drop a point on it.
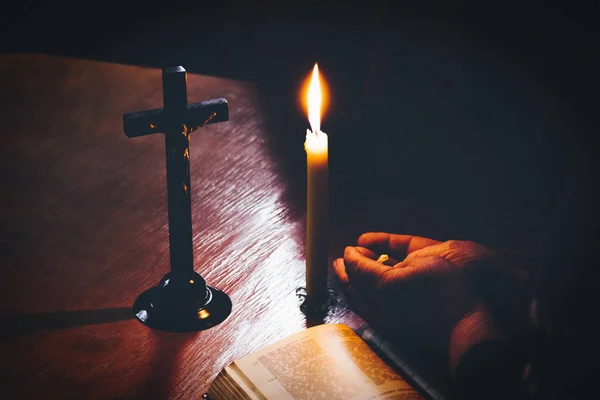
(323, 362)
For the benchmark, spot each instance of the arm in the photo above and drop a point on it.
(484, 363)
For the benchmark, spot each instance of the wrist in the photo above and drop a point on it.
(474, 328)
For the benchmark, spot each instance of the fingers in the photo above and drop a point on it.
(339, 267)
(390, 261)
(340, 271)
(397, 245)
(459, 252)
(358, 286)
(362, 270)
(436, 250)
(367, 252)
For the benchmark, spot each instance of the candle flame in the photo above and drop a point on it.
(315, 98)
(315, 101)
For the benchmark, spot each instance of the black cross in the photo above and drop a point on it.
(177, 119)
(184, 292)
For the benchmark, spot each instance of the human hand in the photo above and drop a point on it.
(444, 297)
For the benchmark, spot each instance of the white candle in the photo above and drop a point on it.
(317, 195)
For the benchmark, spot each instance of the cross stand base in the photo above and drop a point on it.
(182, 303)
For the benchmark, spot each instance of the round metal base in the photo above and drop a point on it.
(183, 304)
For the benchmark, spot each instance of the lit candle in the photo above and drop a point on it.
(317, 195)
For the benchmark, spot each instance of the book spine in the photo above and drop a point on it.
(388, 351)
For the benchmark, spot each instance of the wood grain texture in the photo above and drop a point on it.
(83, 231)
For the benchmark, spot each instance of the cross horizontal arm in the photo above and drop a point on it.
(142, 123)
(147, 122)
(207, 112)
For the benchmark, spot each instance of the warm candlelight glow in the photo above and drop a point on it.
(316, 140)
(314, 96)
(315, 101)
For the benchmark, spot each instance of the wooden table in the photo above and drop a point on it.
(83, 220)
(83, 231)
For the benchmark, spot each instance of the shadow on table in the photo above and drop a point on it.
(166, 364)
(17, 325)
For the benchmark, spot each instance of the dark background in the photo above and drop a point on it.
(451, 119)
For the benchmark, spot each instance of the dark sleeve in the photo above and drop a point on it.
(490, 370)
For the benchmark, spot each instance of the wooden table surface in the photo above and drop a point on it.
(83, 231)
(83, 213)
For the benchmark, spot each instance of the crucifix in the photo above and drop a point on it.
(182, 301)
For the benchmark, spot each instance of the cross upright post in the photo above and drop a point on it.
(177, 139)
(182, 301)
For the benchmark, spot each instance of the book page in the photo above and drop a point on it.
(324, 362)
